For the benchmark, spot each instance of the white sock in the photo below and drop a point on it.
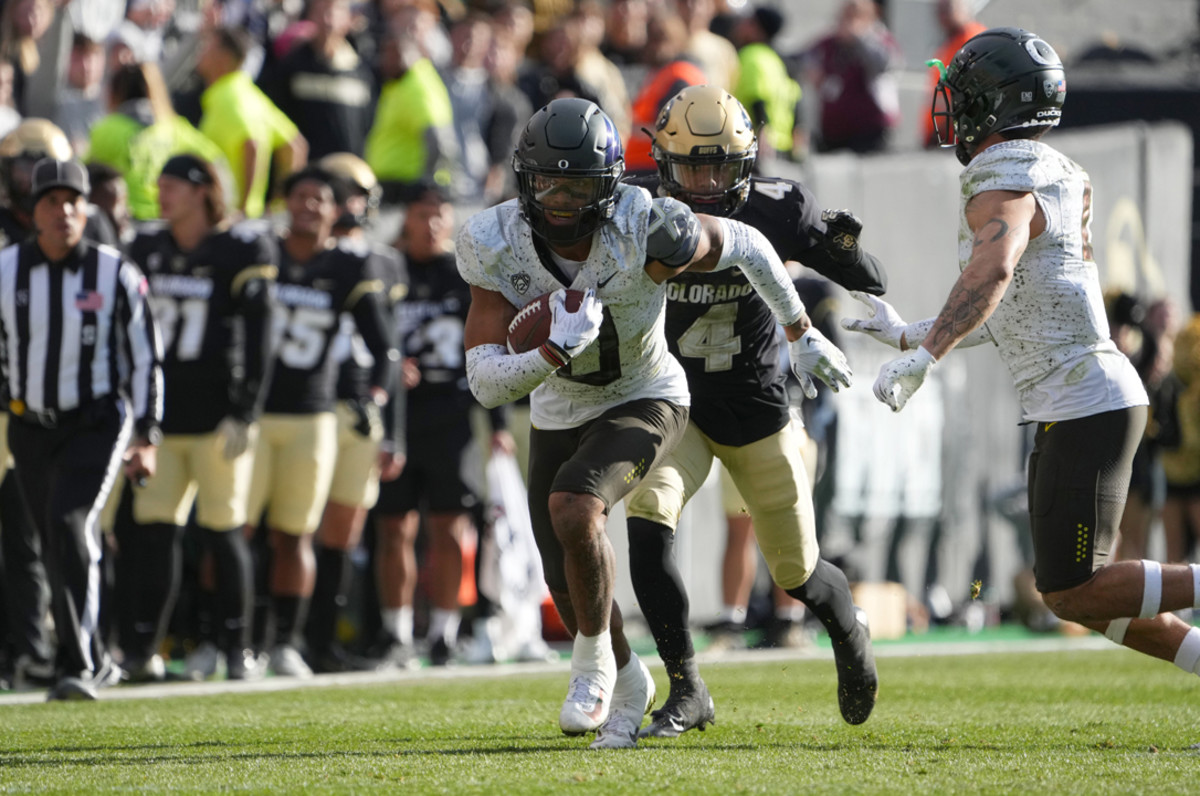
(591, 653)
(734, 614)
(1187, 657)
(443, 624)
(398, 623)
(790, 613)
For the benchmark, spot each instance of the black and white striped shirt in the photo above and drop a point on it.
(78, 330)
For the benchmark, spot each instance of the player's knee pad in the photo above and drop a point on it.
(790, 569)
(655, 503)
(1115, 632)
(1151, 589)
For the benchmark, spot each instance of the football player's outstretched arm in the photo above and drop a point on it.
(1003, 222)
(679, 239)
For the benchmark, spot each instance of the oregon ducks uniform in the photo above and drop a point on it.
(606, 420)
(213, 309)
(296, 451)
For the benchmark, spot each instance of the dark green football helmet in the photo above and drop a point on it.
(568, 163)
(1002, 79)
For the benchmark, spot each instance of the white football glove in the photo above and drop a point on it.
(575, 331)
(903, 376)
(884, 323)
(235, 436)
(814, 355)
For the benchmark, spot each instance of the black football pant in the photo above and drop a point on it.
(65, 473)
(24, 577)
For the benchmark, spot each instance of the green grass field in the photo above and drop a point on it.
(1087, 722)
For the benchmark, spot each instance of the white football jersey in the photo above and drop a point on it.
(630, 359)
(1050, 326)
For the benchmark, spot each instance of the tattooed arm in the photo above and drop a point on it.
(1003, 223)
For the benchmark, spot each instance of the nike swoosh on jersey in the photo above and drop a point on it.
(1048, 425)
(606, 280)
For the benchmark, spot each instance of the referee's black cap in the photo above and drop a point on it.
(49, 174)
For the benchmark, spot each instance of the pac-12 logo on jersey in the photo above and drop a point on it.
(520, 282)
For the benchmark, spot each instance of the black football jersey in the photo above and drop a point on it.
(431, 320)
(212, 307)
(354, 360)
(724, 335)
(312, 297)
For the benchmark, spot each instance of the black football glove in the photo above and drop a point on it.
(842, 229)
(368, 417)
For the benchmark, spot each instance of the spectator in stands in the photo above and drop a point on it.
(764, 86)
(412, 140)
(715, 54)
(249, 129)
(323, 85)
(597, 71)
(23, 23)
(958, 24)
(555, 72)
(81, 100)
(509, 112)
(471, 102)
(671, 71)
(141, 132)
(853, 70)
(10, 117)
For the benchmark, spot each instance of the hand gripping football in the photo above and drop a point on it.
(531, 327)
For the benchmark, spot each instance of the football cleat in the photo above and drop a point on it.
(858, 683)
(588, 702)
(689, 706)
(150, 670)
(72, 689)
(202, 662)
(633, 696)
(286, 661)
(245, 665)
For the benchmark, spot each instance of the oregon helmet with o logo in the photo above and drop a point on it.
(705, 148)
(1003, 79)
(568, 163)
(29, 142)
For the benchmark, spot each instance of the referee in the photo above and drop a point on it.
(80, 353)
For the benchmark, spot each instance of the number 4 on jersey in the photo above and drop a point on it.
(711, 338)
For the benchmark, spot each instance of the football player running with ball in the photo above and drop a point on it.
(726, 339)
(608, 399)
(1029, 285)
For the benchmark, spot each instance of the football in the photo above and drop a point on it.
(531, 327)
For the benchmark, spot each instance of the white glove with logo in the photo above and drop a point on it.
(903, 376)
(884, 323)
(574, 331)
(235, 434)
(814, 355)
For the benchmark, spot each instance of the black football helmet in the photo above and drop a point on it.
(705, 147)
(570, 154)
(1002, 79)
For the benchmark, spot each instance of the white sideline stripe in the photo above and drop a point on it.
(889, 650)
